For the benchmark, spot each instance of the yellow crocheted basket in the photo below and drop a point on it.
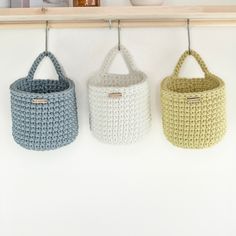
(193, 110)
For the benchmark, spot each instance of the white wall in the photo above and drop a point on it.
(88, 188)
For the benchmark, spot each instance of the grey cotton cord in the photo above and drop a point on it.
(44, 112)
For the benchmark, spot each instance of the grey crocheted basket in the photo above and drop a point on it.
(44, 112)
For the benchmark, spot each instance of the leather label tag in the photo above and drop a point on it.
(115, 95)
(40, 101)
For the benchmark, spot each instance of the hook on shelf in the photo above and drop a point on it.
(43, 9)
(46, 37)
(189, 37)
(119, 29)
(110, 23)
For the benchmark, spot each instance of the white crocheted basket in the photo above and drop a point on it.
(119, 103)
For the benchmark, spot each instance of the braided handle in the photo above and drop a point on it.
(111, 56)
(198, 59)
(39, 59)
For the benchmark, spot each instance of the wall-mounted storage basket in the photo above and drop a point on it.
(193, 110)
(119, 104)
(44, 112)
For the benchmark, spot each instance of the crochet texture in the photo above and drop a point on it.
(193, 110)
(119, 104)
(49, 124)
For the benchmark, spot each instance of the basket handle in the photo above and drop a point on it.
(198, 59)
(39, 59)
(111, 56)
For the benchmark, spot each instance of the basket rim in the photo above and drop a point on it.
(101, 77)
(213, 77)
(13, 87)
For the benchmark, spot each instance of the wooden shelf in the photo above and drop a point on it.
(129, 16)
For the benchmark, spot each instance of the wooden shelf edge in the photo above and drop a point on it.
(129, 16)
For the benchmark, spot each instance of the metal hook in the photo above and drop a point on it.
(119, 29)
(189, 37)
(43, 9)
(46, 37)
(110, 23)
